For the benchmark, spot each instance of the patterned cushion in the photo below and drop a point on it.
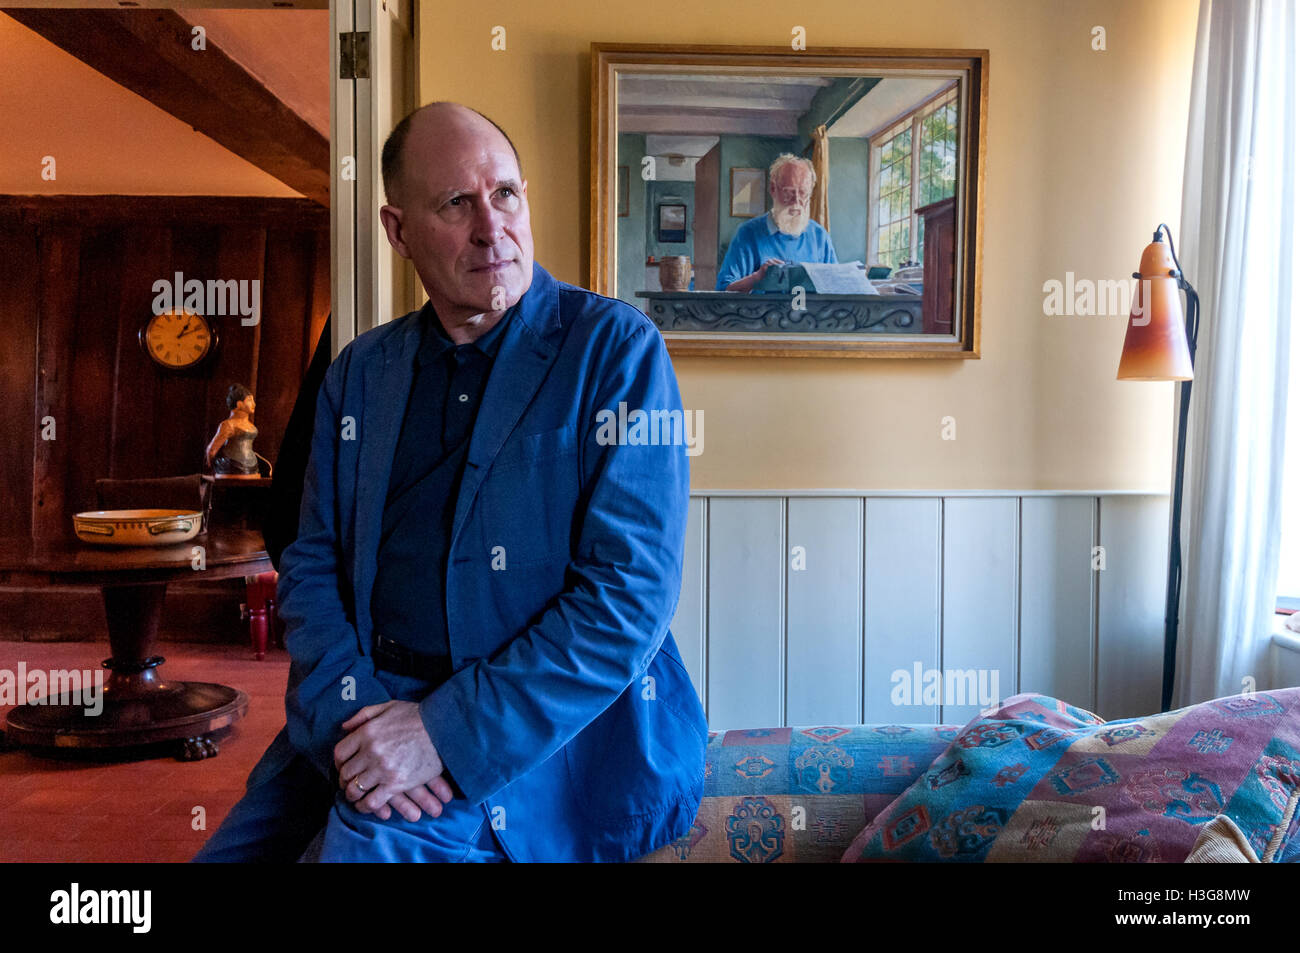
(799, 794)
(1040, 780)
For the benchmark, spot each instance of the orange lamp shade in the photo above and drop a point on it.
(1155, 347)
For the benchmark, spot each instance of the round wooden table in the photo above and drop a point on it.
(139, 706)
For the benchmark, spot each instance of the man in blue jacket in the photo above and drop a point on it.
(786, 235)
(477, 603)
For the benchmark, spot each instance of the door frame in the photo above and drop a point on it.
(370, 283)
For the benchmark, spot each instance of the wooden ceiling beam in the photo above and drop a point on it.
(149, 53)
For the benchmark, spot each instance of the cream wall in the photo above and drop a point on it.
(1085, 154)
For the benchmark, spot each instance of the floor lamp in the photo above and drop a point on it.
(1159, 346)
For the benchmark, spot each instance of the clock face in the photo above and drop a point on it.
(177, 340)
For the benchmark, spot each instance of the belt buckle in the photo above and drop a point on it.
(406, 661)
(387, 650)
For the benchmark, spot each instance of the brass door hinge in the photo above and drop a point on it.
(354, 56)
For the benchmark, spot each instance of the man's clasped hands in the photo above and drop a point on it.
(387, 762)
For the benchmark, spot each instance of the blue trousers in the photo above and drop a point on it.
(297, 814)
(462, 833)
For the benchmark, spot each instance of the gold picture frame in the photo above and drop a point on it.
(966, 74)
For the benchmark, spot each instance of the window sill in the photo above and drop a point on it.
(1283, 637)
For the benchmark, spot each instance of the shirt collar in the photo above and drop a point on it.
(771, 224)
(435, 341)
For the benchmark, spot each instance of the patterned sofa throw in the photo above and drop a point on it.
(798, 795)
(1040, 780)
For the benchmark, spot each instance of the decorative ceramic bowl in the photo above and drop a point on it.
(137, 527)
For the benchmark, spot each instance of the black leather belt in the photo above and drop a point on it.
(397, 658)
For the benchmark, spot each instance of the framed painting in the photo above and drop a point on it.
(836, 195)
(672, 223)
(748, 192)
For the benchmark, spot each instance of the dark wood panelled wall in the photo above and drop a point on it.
(76, 286)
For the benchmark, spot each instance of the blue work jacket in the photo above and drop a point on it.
(570, 716)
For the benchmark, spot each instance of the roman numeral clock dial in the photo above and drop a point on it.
(177, 340)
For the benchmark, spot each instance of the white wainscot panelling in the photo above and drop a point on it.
(1057, 583)
(902, 572)
(821, 608)
(746, 613)
(689, 624)
(1131, 602)
(979, 605)
(824, 611)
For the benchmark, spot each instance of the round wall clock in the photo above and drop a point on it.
(178, 340)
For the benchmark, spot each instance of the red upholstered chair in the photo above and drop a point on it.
(260, 612)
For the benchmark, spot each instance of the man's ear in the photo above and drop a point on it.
(391, 216)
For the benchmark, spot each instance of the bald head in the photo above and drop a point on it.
(437, 121)
(458, 210)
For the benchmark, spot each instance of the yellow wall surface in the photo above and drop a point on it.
(1085, 158)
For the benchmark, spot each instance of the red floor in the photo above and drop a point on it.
(143, 810)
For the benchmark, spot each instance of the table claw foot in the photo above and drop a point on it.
(196, 749)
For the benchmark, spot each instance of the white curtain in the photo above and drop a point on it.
(1238, 248)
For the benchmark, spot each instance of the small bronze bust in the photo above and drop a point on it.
(231, 451)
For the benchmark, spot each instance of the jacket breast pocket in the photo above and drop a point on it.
(528, 500)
